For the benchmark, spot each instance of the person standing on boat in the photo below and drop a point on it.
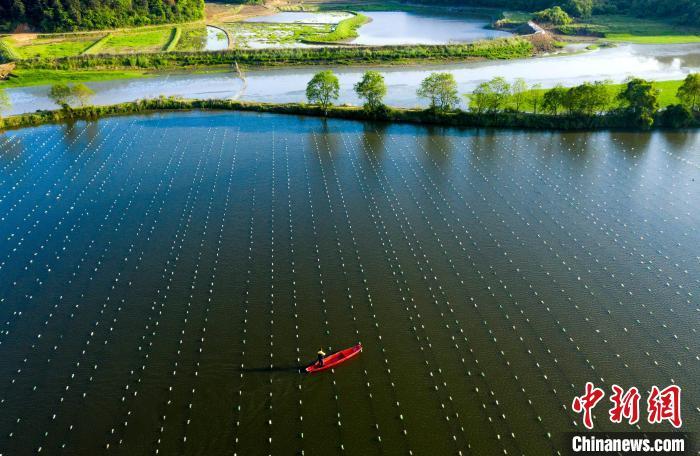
(320, 354)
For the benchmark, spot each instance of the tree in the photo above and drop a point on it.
(372, 89)
(518, 93)
(491, 96)
(579, 8)
(81, 93)
(689, 92)
(640, 100)
(534, 96)
(68, 15)
(4, 101)
(60, 94)
(676, 116)
(588, 98)
(479, 98)
(441, 90)
(322, 89)
(553, 99)
(554, 15)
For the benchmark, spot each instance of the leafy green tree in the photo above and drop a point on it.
(689, 92)
(588, 98)
(372, 89)
(323, 89)
(534, 97)
(60, 94)
(554, 99)
(479, 98)
(441, 90)
(81, 93)
(518, 93)
(579, 8)
(640, 100)
(554, 15)
(491, 96)
(5, 103)
(676, 116)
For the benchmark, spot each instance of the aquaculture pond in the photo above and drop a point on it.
(164, 277)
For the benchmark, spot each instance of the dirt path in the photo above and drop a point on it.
(219, 12)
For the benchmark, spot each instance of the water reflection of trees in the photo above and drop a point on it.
(437, 142)
(681, 140)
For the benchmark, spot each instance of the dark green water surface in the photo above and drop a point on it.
(163, 278)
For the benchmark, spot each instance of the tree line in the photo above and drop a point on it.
(492, 103)
(637, 101)
(681, 11)
(68, 15)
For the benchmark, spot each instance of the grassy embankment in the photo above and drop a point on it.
(455, 118)
(99, 67)
(615, 28)
(344, 30)
(505, 48)
(667, 93)
(175, 36)
(634, 30)
(58, 45)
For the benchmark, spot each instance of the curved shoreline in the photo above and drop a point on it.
(457, 118)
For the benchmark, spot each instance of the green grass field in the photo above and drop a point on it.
(52, 47)
(644, 31)
(25, 78)
(667, 93)
(192, 39)
(148, 40)
(344, 30)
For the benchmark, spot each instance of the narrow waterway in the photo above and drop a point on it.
(656, 62)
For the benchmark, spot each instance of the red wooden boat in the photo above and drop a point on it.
(336, 358)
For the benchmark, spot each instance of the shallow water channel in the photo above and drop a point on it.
(286, 85)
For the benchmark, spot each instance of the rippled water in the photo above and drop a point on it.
(163, 277)
(286, 85)
(400, 27)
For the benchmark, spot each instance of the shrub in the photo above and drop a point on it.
(554, 15)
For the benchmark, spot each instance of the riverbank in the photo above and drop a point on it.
(498, 49)
(456, 118)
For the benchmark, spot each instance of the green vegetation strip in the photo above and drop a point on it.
(174, 39)
(667, 93)
(455, 118)
(26, 78)
(506, 48)
(634, 30)
(7, 51)
(95, 47)
(344, 30)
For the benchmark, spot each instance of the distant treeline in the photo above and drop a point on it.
(456, 118)
(65, 15)
(682, 11)
(506, 48)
